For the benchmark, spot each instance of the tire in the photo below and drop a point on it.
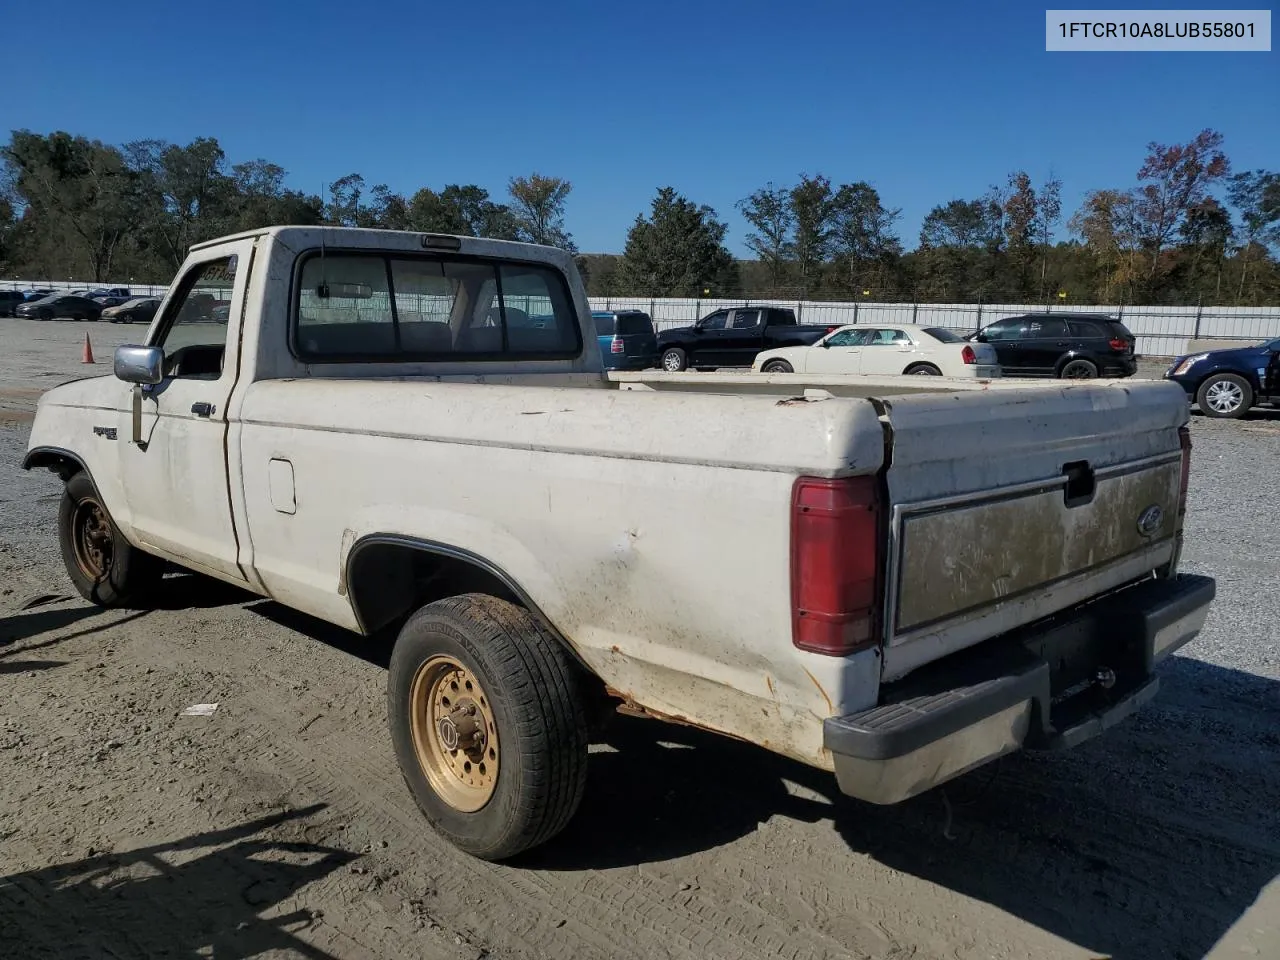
(104, 567)
(1078, 369)
(923, 370)
(777, 366)
(1225, 396)
(45, 315)
(674, 359)
(521, 781)
(79, 317)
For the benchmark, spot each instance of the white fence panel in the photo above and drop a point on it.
(1161, 331)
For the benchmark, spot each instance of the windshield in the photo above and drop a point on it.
(943, 334)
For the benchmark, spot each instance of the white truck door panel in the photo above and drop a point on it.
(176, 479)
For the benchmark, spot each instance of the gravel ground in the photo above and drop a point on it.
(279, 827)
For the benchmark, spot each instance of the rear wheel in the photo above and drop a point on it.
(103, 566)
(778, 366)
(488, 724)
(1225, 395)
(674, 360)
(923, 370)
(1078, 370)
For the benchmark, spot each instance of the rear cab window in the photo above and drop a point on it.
(396, 307)
(634, 325)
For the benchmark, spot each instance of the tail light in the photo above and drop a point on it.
(1119, 344)
(835, 563)
(967, 354)
(1184, 482)
(617, 346)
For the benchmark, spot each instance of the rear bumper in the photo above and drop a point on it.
(1049, 686)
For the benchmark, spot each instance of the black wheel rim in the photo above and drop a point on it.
(92, 539)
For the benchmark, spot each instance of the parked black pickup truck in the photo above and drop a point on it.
(732, 338)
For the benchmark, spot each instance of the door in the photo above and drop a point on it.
(841, 352)
(176, 479)
(708, 342)
(1006, 337)
(887, 351)
(1046, 339)
(743, 338)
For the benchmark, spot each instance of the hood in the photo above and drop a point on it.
(1230, 353)
(673, 332)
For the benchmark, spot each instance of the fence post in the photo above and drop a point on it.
(653, 306)
(799, 311)
(915, 309)
(1199, 313)
(979, 325)
(855, 311)
(697, 309)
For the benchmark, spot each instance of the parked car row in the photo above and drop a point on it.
(769, 339)
(78, 306)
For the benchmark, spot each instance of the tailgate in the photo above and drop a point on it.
(1011, 505)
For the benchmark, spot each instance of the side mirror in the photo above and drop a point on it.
(143, 365)
(826, 344)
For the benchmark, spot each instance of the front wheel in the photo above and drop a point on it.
(777, 366)
(1225, 395)
(674, 360)
(488, 725)
(103, 566)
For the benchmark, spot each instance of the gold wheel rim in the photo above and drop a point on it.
(92, 539)
(455, 735)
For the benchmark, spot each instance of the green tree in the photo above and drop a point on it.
(677, 251)
(1256, 196)
(1020, 212)
(770, 213)
(813, 212)
(537, 203)
(80, 191)
(863, 241)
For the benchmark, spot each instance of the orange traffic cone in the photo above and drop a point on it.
(86, 355)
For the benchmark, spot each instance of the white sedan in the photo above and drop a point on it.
(876, 348)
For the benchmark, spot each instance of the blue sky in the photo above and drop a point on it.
(928, 102)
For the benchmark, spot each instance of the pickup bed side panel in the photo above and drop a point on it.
(654, 536)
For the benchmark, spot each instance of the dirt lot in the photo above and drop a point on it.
(279, 827)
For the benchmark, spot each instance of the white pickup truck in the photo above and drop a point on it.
(897, 578)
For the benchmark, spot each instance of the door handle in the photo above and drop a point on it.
(202, 409)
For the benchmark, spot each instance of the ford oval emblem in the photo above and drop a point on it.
(1149, 520)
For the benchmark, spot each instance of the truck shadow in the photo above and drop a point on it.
(205, 895)
(184, 591)
(1150, 841)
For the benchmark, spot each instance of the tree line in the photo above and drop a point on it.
(1189, 230)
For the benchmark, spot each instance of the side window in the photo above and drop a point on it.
(745, 319)
(604, 325)
(887, 338)
(1005, 330)
(1046, 329)
(716, 321)
(849, 338)
(1082, 328)
(536, 310)
(365, 306)
(194, 330)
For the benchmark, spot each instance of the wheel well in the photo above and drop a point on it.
(921, 363)
(388, 579)
(62, 462)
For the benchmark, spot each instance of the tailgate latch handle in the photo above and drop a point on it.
(1080, 484)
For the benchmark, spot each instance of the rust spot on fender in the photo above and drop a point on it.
(814, 680)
